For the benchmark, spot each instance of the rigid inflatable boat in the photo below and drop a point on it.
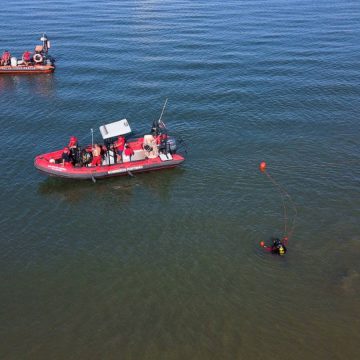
(154, 151)
(38, 62)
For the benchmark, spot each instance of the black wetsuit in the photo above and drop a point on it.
(278, 248)
(66, 157)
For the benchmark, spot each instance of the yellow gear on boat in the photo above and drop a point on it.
(281, 250)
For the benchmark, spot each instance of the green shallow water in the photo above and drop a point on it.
(167, 265)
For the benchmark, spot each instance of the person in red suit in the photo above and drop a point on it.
(119, 146)
(26, 57)
(73, 142)
(96, 152)
(5, 58)
(128, 151)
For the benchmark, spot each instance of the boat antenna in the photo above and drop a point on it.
(92, 137)
(162, 113)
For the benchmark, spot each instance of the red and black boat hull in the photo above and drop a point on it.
(26, 69)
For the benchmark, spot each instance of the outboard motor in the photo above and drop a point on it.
(171, 145)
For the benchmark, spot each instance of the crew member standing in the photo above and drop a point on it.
(161, 142)
(26, 57)
(96, 152)
(5, 58)
(119, 146)
(73, 146)
(73, 142)
(128, 151)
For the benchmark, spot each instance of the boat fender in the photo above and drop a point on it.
(38, 58)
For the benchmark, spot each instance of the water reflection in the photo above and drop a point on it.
(74, 191)
(40, 84)
(161, 183)
(350, 282)
(122, 188)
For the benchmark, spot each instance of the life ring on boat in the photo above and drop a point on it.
(38, 58)
(86, 157)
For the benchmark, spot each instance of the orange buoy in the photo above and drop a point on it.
(262, 166)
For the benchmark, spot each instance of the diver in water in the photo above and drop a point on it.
(278, 246)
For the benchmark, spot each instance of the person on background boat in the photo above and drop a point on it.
(96, 152)
(119, 147)
(5, 58)
(26, 57)
(66, 157)
(38, 56)
(128, 151)
(278, 246)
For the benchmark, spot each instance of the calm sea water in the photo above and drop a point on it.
(167, 265)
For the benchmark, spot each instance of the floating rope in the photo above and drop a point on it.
(288, 231)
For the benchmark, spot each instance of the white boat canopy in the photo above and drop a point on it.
(116, 128)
